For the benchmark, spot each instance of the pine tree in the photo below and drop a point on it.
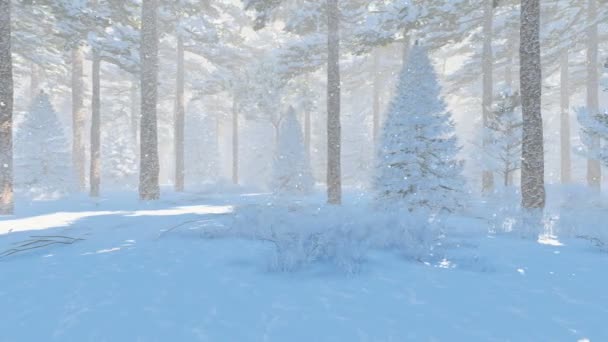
(417, 158)
(594, 128)
(504, 128)
(42, 152)
(292, 174)
(119, 156)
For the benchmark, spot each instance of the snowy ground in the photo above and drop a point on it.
(132, 280)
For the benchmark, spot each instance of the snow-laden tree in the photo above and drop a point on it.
(200, 146)
(292, 174)
(594, 128)
(504, 129)
(118, 153)
(42, 152)
(417, 158)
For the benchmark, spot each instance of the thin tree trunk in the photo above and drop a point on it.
(149, 163)
(532, 172)
(334, 178)
(509, 69)
(594, 169)
(6, 111)
(135, 110)
(565, 147)
(78, 118)
(179, 118)
(488, 91)
(95, 171)
(34, 81)
(235, 141)
(376, 96)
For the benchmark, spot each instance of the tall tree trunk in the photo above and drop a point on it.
(509, 68)
(179, 118)
(95, 171)
(78, 119)
(34, 81)
(594, 169)
(135, 111)
(149, 163)
(532, 172)
(566, 167)
(488, 90)
(376, 96)
(334, 178)
(509, 82)
(235, 141)
(6, 111)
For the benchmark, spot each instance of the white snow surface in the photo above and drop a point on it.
(166, 271)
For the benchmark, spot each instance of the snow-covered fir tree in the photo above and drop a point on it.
(504, 128)
(593, 126)
(292, 173)
(119, 157)
(201, 146)
(43, 166)
(417, 158)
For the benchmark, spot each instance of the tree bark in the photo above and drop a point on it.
(78, 118)
(334, 178)
(95, 171)
(532, 172)
(488, 91)
(179, 118)
(566, 163)
(6, 111)
(149, 163)
(235, 141)
(594, 169)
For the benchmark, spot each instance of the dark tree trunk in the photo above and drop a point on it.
(488, 90)
(532, 172)
(95, 171)
(149, 163)
(334, 178)
(78, 119)
(6, 111)
(179, 118)
(594, 168)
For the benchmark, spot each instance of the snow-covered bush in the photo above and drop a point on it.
(292, 173)
(43, 164)
(302, 235)
(417, 159)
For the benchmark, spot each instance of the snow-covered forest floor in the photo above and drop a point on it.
(240, 267)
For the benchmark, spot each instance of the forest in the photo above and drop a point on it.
(303, 170)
